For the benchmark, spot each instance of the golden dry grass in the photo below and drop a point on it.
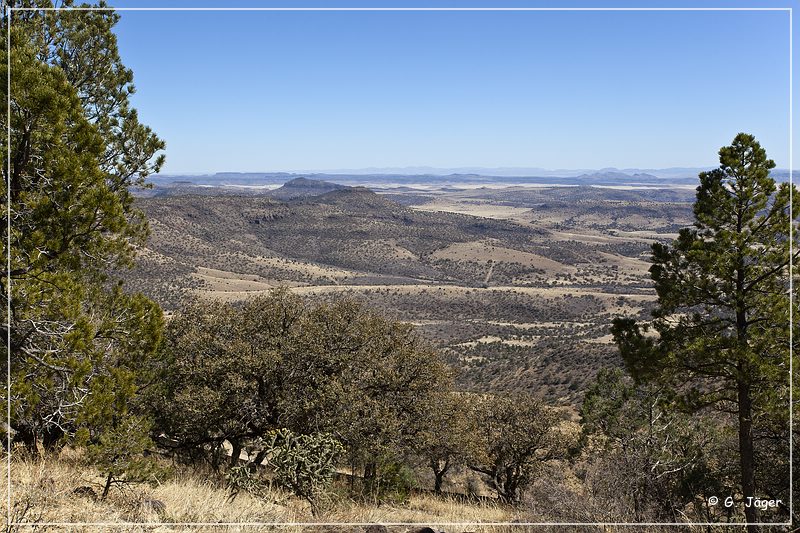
(478, 209)
(445, 290)
(43, 493)
(489, 250)
(222, 280)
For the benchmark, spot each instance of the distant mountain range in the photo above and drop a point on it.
(510, 171)
(286, 185)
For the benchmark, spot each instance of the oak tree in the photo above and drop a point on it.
(516, 434)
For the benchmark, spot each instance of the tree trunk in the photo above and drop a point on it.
(370, 470)
(28, 438)
(314, 506)
(216, 455)
(259, 459)
(370, 477)
(438, 474)
(509, 483)
(438, 478)
(352, 476)
(745, 401)
(107, 487)
(51, 437)
(746, 455)
(236, 453)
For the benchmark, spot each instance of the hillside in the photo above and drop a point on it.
(304, 187)
(517, 286)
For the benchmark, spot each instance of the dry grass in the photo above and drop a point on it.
(43, 493)
(478, 209)
(490, 250)
(222, 280)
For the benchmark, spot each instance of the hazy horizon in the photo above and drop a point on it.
(499, 172)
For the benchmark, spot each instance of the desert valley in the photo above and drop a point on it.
(516, 283)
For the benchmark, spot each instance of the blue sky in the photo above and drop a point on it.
(262, 91)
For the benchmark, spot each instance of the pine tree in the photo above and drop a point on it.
(722, 320)
(80, 344)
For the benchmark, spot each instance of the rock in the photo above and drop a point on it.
(156, 506)
(376, 528)
(5, 429)
(85, 491)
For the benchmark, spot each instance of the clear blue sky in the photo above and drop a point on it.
(260, 91)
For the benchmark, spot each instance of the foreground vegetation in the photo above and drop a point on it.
(44, 491)
(286, 408)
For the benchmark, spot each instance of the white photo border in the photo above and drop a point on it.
(9, 13)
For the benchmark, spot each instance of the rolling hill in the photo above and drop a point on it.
(517, 286)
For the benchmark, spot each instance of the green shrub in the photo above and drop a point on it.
(395, 482)
(121, 454)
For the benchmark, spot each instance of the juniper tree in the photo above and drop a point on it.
(722, 319)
